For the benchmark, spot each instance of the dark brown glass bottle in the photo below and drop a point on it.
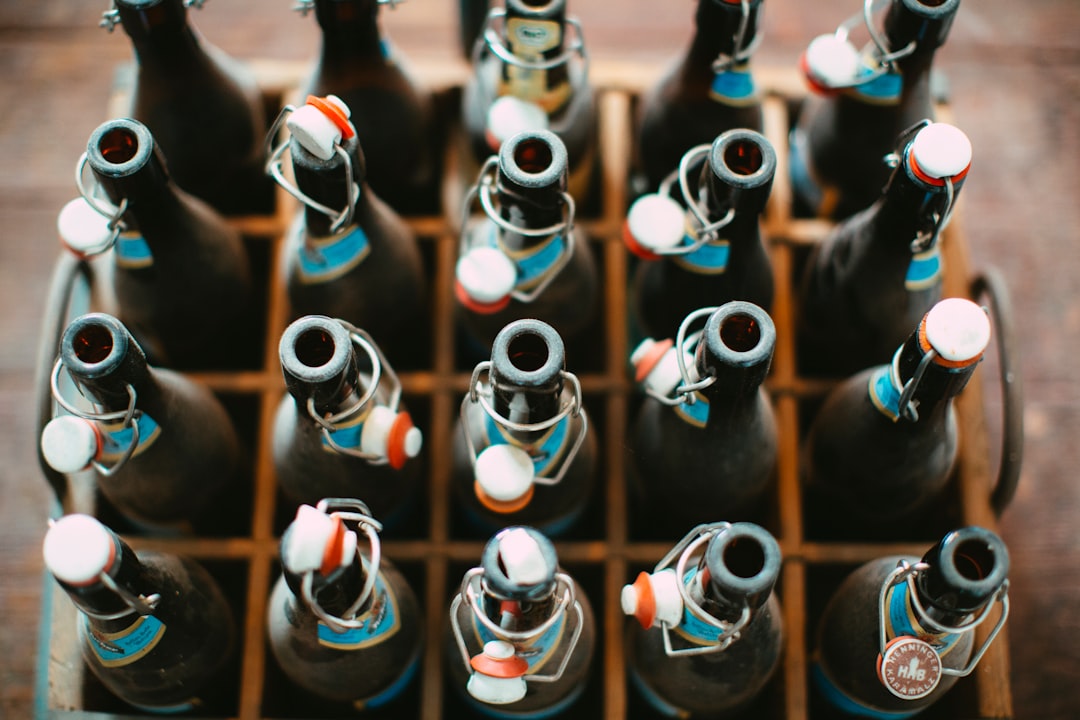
(522, 633)
(899, 631)
(348, 254)
(840, 139)
(880, 451)
(524, 451)
(880, 271)
(708, 91)
(343, 622)
(342, 430)
(392, 113)
(163, 447)
(708, 634)
(154, 627)
(704, 441)
(524, 257)
(181, 274)
(201, 105)
(715, 252)
(531, 73)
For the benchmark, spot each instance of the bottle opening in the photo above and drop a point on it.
(743, 157)
(741, 333)
(536, 3)
(533, 156)
(93, 344)
(118, 146)
(744, 557)
(314, 348)
(974, 560)
(932, 3)
(528, 352)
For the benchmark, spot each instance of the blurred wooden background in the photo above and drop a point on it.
(1014, 76)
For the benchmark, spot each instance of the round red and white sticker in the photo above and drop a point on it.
(909, 668)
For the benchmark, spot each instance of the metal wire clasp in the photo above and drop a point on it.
(111, 17)
(742, 50)
(486, 183)
(339, 219)
(492, 39)
(906, 572)
(680, 555)
(481, 393)
(472, 590)
(706, 231)
(100, 205)
(884, 58)
(358, 512)
(380, 366)
(685, 391)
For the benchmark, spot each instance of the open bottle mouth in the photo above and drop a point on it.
(119, 148)
(94, 345)
(528, 353)
(533, 160)
(743, 159)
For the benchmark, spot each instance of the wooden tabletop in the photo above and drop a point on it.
(1014, 74)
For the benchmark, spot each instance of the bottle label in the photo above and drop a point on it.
(534, 264)
(394, 690)
(925, 270)
(536, 651)
(381, 622)
(882, 90)
(692, 628)
(696, 413)
(177, 709)
(324, 259)
(901, 620)
(128, 645)
(529, 40)
(348, 434)
(544, 452)
(884, 394)
(709, 259)
(132, 252)
(734, 86)
(116, 438)
(847, 704)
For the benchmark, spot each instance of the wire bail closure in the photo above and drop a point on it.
(707, 231)
(680, 554)
(906, 572)
(480, 394)
(742, 50)
(685, 391)
(380, 366)
(927, 238)
(472, 588)
(129, 417)
(339, 219)
(358, 512)
(486, 182)
(884, 57)
(111, 17)
(103, 207)
(492, 40)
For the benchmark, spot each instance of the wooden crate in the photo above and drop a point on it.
(604, 555)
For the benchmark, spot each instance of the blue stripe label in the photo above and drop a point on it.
(379, 623)
(847, 704)
(901, 621)
(696, 413)
(709, 259)
(693, 628)
(735, 86)
(924, 270)
(116, 438)
(347, 435)
(544, 453)
(132, 251)
(534, 264)
(884, 89)
(884, 394)
(125, 647)
(324, 259)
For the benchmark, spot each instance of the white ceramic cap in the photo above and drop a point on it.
(314, 130)
(83, 229)
(504, 472)
(831, 60)
(656, 222)
(307, 540)
(78, 549)
(941, 150)
(667, 601)
(375, 435)
(510, 115)
(522, 557)
(486, 274)
(958, 329)
(508, 686)
(664, 376)
(69, 443)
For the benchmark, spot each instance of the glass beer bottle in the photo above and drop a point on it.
(878, 272)
(343, 622)
(393, 115)
(342, 430)
(524, 451)
(522, 633)
(708, 91)
(711, 251)
(899, 631)
(181, 275)
(154, 627)
(869, 98)
(202, 106)
(708, 635)
(163, 449)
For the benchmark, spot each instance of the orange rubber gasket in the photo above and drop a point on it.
(334, 113)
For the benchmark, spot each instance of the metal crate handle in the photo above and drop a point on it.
(991, 283)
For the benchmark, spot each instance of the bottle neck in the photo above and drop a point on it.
(518, 615)
(108, 385)
(341, 386)
(327, 182)
(526, 405)
(928, 26)
(536, 210)
(153, 200)
(939, 384)
(907, 207)
(335, 593)
(161, 36)
(536, 35)
(102, 605)
(717, 29)
(350, 31)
